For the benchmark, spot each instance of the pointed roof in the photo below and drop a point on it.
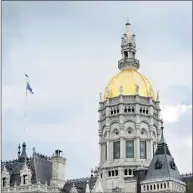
(23, 155)
(162, 164)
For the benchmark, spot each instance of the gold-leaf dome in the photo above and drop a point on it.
(129, 78)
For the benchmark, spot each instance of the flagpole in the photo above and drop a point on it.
(25, 118)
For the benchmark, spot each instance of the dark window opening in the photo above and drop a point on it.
(4, 182)
(111, 112)
(129, 109)
(151, 187)
(109, 173)
(158, 186)
(113, 173)
(154, 187)
(114, 111)
(140, 110)
(117, 110)
(161, 186)
(147, 187)
(101, 175)
(126, 54)
(130, 172)
(146, 111)
(116, 172)
(24, 179)
(133, 110)
(125, 109)
(125, 172)
(143, 110)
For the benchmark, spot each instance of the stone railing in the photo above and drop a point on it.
(30, 188)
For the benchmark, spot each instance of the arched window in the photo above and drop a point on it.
(113, 173)
(129, 109)
(150, 187)
(164, 185)
(109, 173)
(140, 110)
(133, 110)
(130, 172)
(125, 172)
(161, 186)
(116, 172)
(114, 111)
(157, 186)
(147, 187)
(125, 110)
(146, 111)
(154, 186)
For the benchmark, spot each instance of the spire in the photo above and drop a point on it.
(128, 50)
(23, 155)
(162, 140)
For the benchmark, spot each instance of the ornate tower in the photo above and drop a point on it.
(129, 120)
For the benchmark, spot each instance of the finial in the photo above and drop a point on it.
(137, 89)
(150, 92)
(157, 98)
(128, 23)
(107, 92)
(121, 89)
(100, 97)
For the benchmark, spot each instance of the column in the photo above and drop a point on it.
(137, 147)
(151, 149)
(122, 150)
(108, 150)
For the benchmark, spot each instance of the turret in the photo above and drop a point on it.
(58, 169)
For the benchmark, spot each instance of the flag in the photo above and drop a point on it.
(28, 87)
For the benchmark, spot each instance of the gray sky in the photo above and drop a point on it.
(70, 51)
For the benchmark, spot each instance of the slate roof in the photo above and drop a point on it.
(162, 164)
(80, 184)
(40, 165)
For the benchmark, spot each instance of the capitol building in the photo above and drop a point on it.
(134, 156)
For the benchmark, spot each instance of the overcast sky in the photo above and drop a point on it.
(70, 51)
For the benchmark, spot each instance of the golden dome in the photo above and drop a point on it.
(129, 78)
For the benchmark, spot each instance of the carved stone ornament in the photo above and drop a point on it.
(73, 189)
(121, 89)
(107, 92)
(158, 164)
(137, 89)
(117, 190)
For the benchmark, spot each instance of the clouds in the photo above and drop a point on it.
(70, 52)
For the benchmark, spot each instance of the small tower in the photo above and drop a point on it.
(58, 169)
(128, 50)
